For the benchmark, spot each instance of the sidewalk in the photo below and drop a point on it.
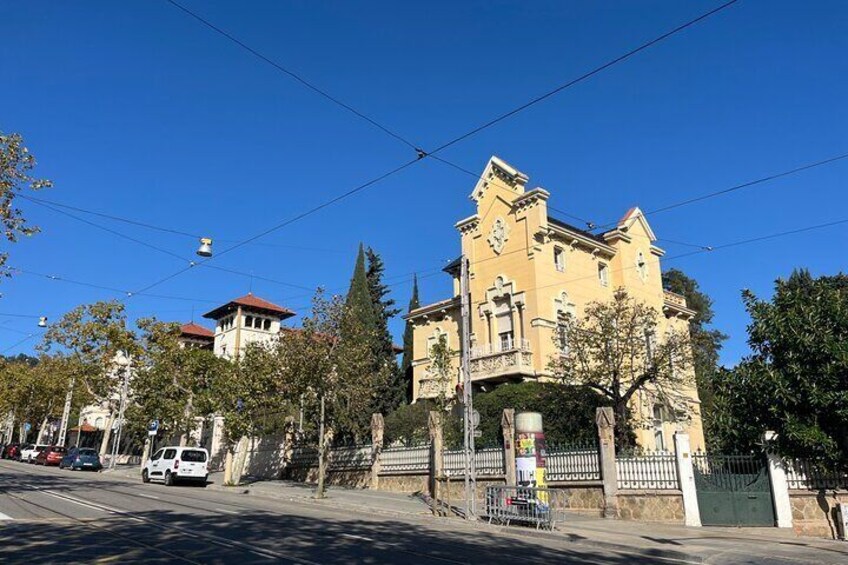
(658, 540)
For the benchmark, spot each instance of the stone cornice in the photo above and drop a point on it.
(468, 225)
(530, 199)
(581, 240)
(442, 307)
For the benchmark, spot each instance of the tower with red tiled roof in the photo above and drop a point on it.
(195, 335)
(245, 320)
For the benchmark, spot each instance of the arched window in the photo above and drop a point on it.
(503, 322)
(659, 413)
(98, 423)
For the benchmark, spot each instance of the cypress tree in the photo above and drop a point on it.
(358, 299)
(406, 364)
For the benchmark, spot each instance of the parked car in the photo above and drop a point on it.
(51, 455)
(29, 452)
(81, 459)
(12, 451)
(173, 464)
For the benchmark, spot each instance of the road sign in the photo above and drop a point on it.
(153, 427)
(478, 433)
(27, 426)
(475, 420)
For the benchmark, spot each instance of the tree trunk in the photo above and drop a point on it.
(322, 463)
(107, 433)
(40, 436)
(623, 439)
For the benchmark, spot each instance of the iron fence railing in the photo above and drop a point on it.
(405, 459)
(541, 508)
(488, 461)
(573, 463)
(350, 457)
(650, 470)
(803, 474)
(304, 456)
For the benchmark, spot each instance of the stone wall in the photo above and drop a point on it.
(814, 512)
(651, 506)
(585, 499)
(405, 483)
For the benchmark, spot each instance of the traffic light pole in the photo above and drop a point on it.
(467, 397)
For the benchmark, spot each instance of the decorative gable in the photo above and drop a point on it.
(501, 177)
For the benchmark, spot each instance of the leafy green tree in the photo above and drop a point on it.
(568, 412)
(92, 335)
(706, 342)
(796, 380)
(393, 393)
(408, 338)
(173, 383)
(16, 164)
(617, 350)
(331, 368)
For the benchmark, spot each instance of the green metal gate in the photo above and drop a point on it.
(733, 490)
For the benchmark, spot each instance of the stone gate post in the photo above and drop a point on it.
(508, 427)
(686, 476)
(605, 420)
(377, 427)
(436, 460)
(779, 485)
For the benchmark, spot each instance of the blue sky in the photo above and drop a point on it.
(134, 109)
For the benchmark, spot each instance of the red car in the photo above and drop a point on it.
(51, 455)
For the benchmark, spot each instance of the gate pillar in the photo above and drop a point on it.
(686, 476)
(779, 486)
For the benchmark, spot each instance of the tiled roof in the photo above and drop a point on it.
(196, 330)
(580, 231)
(251, 302)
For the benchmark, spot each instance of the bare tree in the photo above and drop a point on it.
(618, 349)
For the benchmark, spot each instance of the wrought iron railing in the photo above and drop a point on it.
(650, 470)
(575, 463)
(405, 459)
(488, 461)
(802, 474)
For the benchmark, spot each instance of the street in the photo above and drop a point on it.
(47, 515)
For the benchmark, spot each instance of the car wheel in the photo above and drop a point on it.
(144, 477)
(169, 479)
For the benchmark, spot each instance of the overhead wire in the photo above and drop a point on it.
(420, 154)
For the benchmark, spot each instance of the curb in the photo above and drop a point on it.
(635, 552)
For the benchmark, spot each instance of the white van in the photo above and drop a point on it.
(30, 452)
(172, 464)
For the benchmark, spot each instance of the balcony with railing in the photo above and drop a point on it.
(675, 304)
(506, 358)
(434, 387)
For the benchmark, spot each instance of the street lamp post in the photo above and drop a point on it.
(123, 361)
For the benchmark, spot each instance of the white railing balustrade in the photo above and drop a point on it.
(488, 461)
(573, 464)
(651, 470)
(495, 348)
(350, 457)
(405, 459)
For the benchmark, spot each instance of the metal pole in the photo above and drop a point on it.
(120, 416)
(321, 463)
(66, 413)
(467, 397)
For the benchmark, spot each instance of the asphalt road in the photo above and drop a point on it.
(48, 516)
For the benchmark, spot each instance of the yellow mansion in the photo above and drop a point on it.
(526, 271)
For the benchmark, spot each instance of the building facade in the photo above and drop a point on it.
(245, 320)
(526, 271)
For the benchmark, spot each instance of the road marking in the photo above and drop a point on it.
(75, 501)
(145, 495)
(352, 536)
(225, 511)
(5, 517)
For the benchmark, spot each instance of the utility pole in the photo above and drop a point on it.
(467, 397)
(66, 413)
